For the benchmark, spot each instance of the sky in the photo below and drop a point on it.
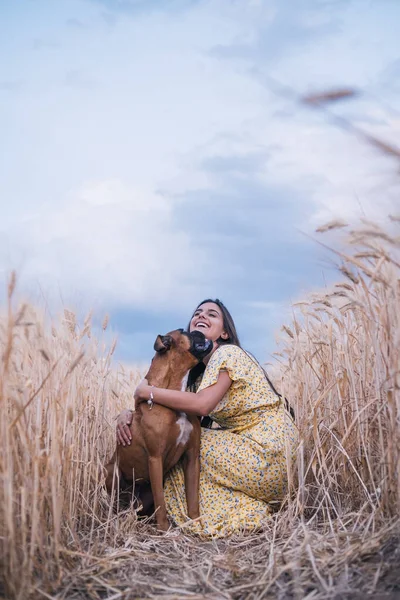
(156, 152)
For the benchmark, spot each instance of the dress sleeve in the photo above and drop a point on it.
(226, 358)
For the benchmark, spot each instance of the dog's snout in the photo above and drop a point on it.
(201, 346)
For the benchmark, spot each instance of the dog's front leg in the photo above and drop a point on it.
(192, 475)
(156, 480)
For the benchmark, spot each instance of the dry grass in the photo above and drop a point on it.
(336, 535)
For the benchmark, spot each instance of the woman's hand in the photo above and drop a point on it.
(124, 435)
(141, 391)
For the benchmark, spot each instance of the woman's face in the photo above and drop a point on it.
(208, 319)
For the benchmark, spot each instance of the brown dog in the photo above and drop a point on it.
(160, 436)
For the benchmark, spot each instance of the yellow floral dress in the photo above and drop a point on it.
(243, 467)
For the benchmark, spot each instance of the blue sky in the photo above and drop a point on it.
(149, 158)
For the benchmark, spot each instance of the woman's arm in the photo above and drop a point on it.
(200, 404)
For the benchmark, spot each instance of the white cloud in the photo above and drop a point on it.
(107, 242)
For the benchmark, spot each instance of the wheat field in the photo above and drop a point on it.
(335, 536)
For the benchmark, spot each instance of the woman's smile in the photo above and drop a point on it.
(201, 324)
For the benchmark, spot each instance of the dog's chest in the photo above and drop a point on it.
(185, 429)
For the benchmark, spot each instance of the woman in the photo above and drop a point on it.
(244, 463)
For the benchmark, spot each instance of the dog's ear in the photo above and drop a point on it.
(163, 343)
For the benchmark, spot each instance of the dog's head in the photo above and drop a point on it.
(176, 353)
(180, 341)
